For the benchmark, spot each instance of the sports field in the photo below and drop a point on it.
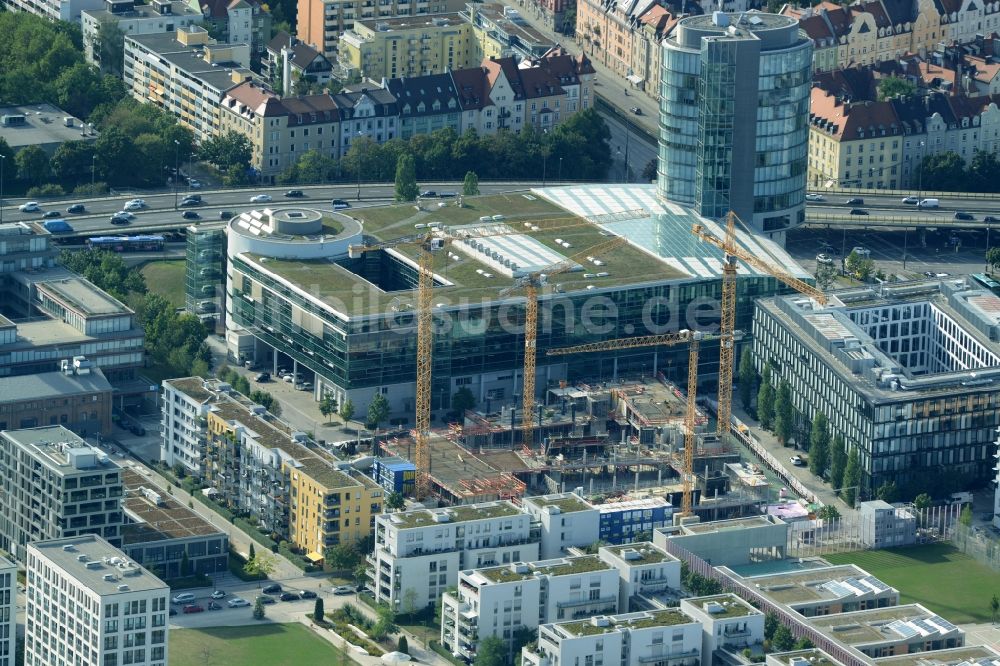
(939, 576)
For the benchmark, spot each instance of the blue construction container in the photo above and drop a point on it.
(396, 475)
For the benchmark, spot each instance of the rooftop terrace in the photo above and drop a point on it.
(730, 604)
(455, 514)
(565, 502)
(641, 552)
(642, 620)
(564, 566)
(815, 656)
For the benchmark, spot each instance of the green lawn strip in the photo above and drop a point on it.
(166, 278)
(253, 645)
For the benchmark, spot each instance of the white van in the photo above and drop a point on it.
(929, 203)
(183, 598)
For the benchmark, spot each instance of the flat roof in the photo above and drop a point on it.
(98, 566)
(869, 626)
(139, 12)
(156, 515)
(455, 514)
(641, 620)
(725, 525)
(192, 387)
(970, 654)
(561, 566)
(528, 35)
(51, 385)
(838, 582)
(640, 552)
(84, 297)
(166, 47)
(422, 22)
(633, 504)
(815, 656)
(44, 124)
(55, 446)
(565, 502)
(731, 606)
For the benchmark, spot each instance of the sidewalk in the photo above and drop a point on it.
(418, 651)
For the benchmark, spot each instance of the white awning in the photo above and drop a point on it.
(634, 78)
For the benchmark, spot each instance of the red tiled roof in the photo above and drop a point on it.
(472, 87)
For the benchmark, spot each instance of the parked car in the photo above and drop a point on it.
(824, 259)
(49, 214)
(266, 600)
(273, 588)
(138, 430)
(263, 377)
(29, 207)
(290, 596)
(218, 594)
(861, 251)
(183, 598)
(261, 198)
(77, 208)
(308, 594)
(858, 211)
(447, 195)
(237, 602)
(343, 589)
(294, 194)
(797, 461)
(962, 215)
(194, 184)
(214, 605)
(815, 197)
(173, 611)
(911, 200)
(340, 204)
(193, 608)
(191, 215)
(636, 110)
(855, 201)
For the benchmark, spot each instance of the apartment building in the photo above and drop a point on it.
(670, 636)
(77, 397)
(261, 467)
(419, 554)
(304, 63)
(644, 570)
(8, 611)
(53, 10)
(366, 112)
(184, 421)
(407, 46)
(185, 74)
(726, 621)
(566, 520)
(499, 31)
(241, 21)
(107, 609)
(56, 485)
(322, 22)
(426, 104)
(825, 590)
(887, 632)
(158, 17)
(498, 601)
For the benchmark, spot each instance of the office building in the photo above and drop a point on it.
(566, 520)
(158, 17)
(718, 70)
(419, 554)
(903, 375)
(77, 397)
(730, 543)
(629, 639)
(407, 46)
(8, 611)
(824, 590)
(203, 269)
(726, 621)
(154, 64)
(56, 485)
(887, 632)
(42, 125)
(161, 533)
(500, 31)
(89, 604)
(644, 570)
(886, 526)
(497, 601)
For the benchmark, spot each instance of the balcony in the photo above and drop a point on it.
(669, 658)
(735, 632)
(602, 601)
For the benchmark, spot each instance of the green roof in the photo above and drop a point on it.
(457, 514)
(648, 553)
(642, 620)
(815, 656)
(568, 503)
(736, 608)
(565, 566)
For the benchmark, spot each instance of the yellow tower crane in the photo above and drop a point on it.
(531, 283)
(428, 243)
(693, 339)
(733, 252)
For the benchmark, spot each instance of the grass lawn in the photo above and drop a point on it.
(939, 576)
(166, 278)
(253, 645)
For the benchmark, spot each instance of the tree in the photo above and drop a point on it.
(838, 461)
(227, 151)
(406, 179)
(887, 492)
(828, 512)
(315, 167)
(72, 161)
(327, 407)
(252, 554)
(819, 444)
(470, 187)
(803, 644)
(491, 652)
(825, 275)
(347, 410)
(378, 411)
(261, 566)
(765, 398)
(385, 624)
(342, 557)
(771, 624)
(402, 645)
(993, 257)
(112, 53)
(860, 267)
(994, 608)
(966, 516)
(782, 641)
(852, 478)
(893, 86)
(32, 164)
(984, 172)
(649, 171)
(943, 172)
(463, 400)
(258, 609)
(784, 413)
(747, 378)
(922, 501)
(318, 613)
(395, 501)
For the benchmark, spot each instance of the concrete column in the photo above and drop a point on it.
(295, 370)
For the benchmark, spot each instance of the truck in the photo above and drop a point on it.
(57, 226)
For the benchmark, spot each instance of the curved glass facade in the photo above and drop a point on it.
(679, 113)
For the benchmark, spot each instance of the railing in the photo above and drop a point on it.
(586, 602)
(744, 435)
(668, 658)
(904, 193)
(893, 221)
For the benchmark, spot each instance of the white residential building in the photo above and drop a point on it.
(54, 10)
(728, 622)
(643, 570)
(667, 637)
(497, 601)
(159, 16)
(418, 554)
(186, 403)
(566, 520)
(8, 611)
(88, 604)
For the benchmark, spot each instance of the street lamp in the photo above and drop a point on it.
(545, 153)
(560, 169)
(360, 134)
(177, 147)
(93, 169)
(3, 160)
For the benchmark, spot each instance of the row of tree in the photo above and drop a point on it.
(948, 172)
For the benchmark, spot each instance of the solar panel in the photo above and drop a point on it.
(923, 627)
(875, 584)
(855, 586)
(942, 623)
(835, 588)
(903, 629)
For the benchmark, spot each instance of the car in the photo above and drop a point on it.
(289, 378)
(429, 194)
(135, 204)
(911, 200)
(214, 605)
(138, 430)
(191, 215)
(308, 594)
(77, 208)
(290, 596)
(858, 211)
(294, 194)
(119, 219)
(173, 611)
(206, 306)
(193, 608)
(797, 461)
(942, 275)
(340, 204)
(823, 259)
(126, 214)
(29, 207)
(237, 602)
(225, 214)
(273, 588)
(861, 251)
(929, 203)
(815, 197)
(49, 214)
(343, 589)
(190, 202)
(266, 600)
(304, 386)
(636, 110)
(447, 195)
(990, 218)
(855, 202)
(193, 197)
(261, 198)
(218, 594)
(928, 274)
(962, 215)
(183, 598)
(263, 377)
(194, 184)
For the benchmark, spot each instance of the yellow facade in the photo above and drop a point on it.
(409, 46)
(330, 507)
(861, 163)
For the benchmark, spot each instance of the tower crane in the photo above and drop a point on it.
(427, 243)
(693, 339)
(733, 252)
(531, 283)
